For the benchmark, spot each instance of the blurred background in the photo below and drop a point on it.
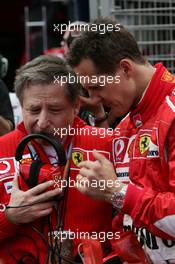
(27, 27)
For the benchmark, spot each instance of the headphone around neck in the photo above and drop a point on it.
(37, 170)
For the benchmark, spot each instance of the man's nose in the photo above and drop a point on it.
(43, 121)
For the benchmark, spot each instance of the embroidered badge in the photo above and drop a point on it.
(144, 143)
(168, 77)
(77, 157)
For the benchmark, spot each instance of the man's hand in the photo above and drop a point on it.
(42, 202)
(92, 104)
(100, 173)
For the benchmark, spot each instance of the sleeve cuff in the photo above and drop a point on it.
(132, 197)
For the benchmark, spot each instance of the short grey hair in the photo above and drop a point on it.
(42, 70)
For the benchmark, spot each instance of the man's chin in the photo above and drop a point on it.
(42, 141)
(50, 135)
(47, 133)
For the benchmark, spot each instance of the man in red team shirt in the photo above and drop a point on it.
(144, 145)
(32, 215)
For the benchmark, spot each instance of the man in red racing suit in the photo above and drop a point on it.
(143, 145)
(144, 156)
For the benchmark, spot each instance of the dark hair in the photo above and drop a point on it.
(42, 70)
(105, 50)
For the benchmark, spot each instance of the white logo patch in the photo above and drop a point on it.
(8, 187)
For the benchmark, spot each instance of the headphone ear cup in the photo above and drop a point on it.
(34, 173)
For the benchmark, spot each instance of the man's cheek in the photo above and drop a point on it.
(30, 124)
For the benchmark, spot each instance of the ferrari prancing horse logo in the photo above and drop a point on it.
(77, 157)
(144, 143)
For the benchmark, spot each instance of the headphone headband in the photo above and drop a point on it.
(58, 147)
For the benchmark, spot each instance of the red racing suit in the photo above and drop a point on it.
(83, 214)
(144, 156)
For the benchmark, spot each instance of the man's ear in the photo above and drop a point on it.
(77, 106)
(126, 66)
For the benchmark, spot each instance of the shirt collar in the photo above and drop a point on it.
(161, 84)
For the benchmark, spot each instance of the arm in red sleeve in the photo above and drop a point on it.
(155, 209)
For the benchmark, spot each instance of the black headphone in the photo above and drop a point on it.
(33, 168)
(58, 147)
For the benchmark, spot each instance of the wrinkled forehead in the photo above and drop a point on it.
(51, 92)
